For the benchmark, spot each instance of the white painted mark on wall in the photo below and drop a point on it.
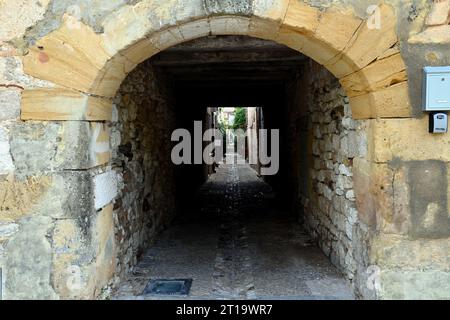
(6, 163)
(373, 280)
(105, 188)
(374, 20)
(98, 147)
(74, 279)
(73, 22)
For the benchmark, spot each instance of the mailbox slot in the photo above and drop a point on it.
(436, 89)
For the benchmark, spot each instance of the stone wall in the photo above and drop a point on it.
(141, 147)
(58, 182)
(61, 62)
(324, 142)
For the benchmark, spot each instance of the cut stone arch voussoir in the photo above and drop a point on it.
(88, 69)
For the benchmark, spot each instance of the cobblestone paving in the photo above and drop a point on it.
(237, 245)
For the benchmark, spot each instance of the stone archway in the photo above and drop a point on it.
(84, 69)
(87, 68)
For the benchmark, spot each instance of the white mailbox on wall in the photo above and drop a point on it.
(436, 89)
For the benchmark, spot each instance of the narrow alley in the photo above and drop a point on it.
(235, 244)
(116, 117)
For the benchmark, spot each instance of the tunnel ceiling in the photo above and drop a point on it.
(229, 69)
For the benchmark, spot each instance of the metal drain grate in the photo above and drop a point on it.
(168, 287)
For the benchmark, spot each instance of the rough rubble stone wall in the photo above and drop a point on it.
(325, 141)
(141, 148)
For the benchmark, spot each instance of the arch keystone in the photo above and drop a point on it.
(229, 25)
(263, 29)
(195, 29)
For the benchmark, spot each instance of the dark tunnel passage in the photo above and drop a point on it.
(234, 232)
(231, 72)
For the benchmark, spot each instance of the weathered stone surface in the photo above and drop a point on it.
(8, 229)
(82, 63)
(439, 14)
(125, 26)
(104, 246)
(226, 25)
(415, 285)
(368, 44)
(311, 47)
(429, 202)
(382, 196)
(336, 29)
(436, 35)
(33, 145)
(196, 29)
(396, 252)
(267, 18)
(27, 276)
(392, 102)
(6, 163)
(20, 197)
(70, 254)
(433, 29)
(376, 76)
(140, 51)
(263, 29)
(76, 276)
(291, 38)
(270, 9)
(404, 198)
(112, 75)
(13, 77)
(133, 23)
(74, 51)
(84, 145)
(301, 17)
(407, 139)
(167, 38)
(63, 104)
(448, 187)
(17, 16)
(70, 197)
(9, 104)
(228, 7)
(42, 147)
